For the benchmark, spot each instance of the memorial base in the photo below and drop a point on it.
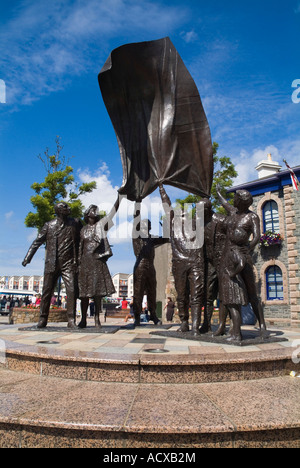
(249, 337)
(59, 395)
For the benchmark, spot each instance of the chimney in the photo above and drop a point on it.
(267, 167)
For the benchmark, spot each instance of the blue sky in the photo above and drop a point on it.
(243, 56)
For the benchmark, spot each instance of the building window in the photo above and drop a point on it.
(271, 217)
(274, 283)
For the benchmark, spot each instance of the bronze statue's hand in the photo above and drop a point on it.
(138, 204)
(24, 263)
(252, 246)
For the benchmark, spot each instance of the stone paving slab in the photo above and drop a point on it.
(31, 404)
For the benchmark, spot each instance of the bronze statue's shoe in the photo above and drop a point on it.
(184, 327)
(264, 332)
(220, 332)
(42, 323)
(137, 320)
(236, 338)
(82, 324)
(71, 323)
(205, 329)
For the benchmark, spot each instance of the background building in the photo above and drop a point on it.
(123, 283)
(23, 285)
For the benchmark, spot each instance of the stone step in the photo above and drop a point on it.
(148, 368)
(38, 411)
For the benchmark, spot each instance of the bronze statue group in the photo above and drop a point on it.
(220, 268)
(164, 138)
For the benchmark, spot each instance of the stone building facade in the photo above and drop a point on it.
(23, 284)
(277, 267)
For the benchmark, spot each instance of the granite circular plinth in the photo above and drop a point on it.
(122, 353)
(58, 395)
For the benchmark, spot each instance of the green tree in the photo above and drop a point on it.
(59, 185)
(224, 173)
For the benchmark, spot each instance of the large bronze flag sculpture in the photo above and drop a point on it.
(159, 120)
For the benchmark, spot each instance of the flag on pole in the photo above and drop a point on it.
(295, 181)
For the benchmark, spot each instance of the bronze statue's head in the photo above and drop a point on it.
(62, 209)
(92, 212)
(243, 200)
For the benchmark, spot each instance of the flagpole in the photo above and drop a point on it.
(295, 181)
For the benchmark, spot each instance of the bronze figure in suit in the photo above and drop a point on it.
(61, 236)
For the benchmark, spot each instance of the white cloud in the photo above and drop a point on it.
(32, 236)
(247, 161)
(108, 18)
(11, 260)
(47, 43)
(11, 222)
(2, 92)
(9, 215)
(105, 194)
(189, 36)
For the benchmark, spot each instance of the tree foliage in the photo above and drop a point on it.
(59, 185)
(224, 174)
